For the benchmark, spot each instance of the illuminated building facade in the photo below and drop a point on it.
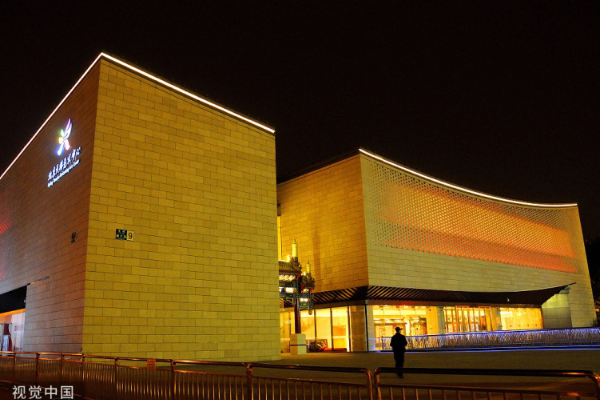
(393, 247)
(141, 220)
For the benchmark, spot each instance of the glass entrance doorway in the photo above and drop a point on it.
(467, 319)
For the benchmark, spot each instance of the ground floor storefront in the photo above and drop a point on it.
(12, 319)
(370, 327)
(12, 325)
(364, 318)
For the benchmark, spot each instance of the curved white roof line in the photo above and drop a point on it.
(149, 76)
(463, 189)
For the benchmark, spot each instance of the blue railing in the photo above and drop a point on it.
(541, 337)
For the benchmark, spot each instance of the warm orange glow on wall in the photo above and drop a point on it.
(6, 314)
(415, 214)
(4, 213)
(4, 226)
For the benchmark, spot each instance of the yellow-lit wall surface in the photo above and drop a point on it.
(199, 190)
(37, 222)
(362, 222)
(197, 187)
(429, 236)
(324, 211)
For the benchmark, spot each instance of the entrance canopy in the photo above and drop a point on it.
(378, 294)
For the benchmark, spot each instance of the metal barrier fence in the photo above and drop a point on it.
(348, 386)
(100, 378)
(110, 378)
(542, 337)
(211, 380)
(526, 384)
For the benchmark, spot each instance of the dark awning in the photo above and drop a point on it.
(382, 294)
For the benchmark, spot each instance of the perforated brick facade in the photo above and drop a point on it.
(415, 214)
(426, 235)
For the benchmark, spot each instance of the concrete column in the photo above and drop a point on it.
(358, 328)
(370, 329)
(557, 311)
(441, 319)
(297, 344)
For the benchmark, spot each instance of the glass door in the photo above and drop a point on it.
(340, 329)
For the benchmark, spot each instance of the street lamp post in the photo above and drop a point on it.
(296, 285)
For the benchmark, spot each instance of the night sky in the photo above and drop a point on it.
(501, 97)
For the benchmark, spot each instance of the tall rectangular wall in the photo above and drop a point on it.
(44, 200)
(198, 188)
(324, 212)
(425, 235)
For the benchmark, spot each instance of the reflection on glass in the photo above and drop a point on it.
(521, 318)
(308, 325)
(285, 330)
(467, 319)
(411, 319)
(329, 329)
(340, 329)
(323, 340)
(478, 319)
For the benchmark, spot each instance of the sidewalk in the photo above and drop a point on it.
(563, 359)
(572, 359)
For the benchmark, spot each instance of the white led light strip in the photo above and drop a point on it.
(462, 189)
(193, 96)
(149, 76)
(52, 114)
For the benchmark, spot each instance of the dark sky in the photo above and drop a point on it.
(501, 97)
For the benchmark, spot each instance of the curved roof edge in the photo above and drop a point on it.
(461, 188)
(151, 77)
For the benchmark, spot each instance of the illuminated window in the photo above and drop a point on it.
(326, 329)
(308, 325)
(340, 328)
(411, 319)
(479, 319)
(286, 327)
(521, 318)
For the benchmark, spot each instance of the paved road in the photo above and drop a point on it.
(558, 359)
(564, 359)
(578, 359)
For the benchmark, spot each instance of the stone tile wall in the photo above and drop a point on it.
(37, 221)
(324, 211)
(198, 189)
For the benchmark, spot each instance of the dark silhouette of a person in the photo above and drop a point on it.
(398, 345)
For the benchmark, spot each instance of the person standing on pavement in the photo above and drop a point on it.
(398, 345)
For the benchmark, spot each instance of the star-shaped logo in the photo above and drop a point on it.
(64, 138)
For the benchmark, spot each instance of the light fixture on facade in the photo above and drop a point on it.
(38, 281)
